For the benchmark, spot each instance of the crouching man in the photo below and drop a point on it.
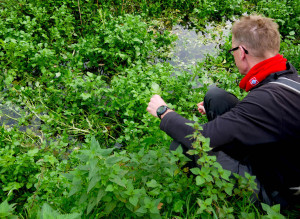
(261, 133)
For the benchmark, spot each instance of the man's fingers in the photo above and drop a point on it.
(201, 108)
(200, 104)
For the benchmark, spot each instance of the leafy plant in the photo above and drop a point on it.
(216, 184)
(136, 184)
(48, 212)
(280, 10)
(6, 210)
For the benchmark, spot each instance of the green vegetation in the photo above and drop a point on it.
(83, 72)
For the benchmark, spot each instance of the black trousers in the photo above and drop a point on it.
(217, 102)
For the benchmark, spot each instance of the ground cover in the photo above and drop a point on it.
(85, 71)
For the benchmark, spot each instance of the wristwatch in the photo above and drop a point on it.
(161, 110)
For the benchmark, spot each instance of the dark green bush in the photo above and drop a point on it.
(286, 13)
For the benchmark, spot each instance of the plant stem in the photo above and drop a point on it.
(79, 12)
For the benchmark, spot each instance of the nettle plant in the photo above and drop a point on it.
(124, 184)
(154, 183)
(218, 186)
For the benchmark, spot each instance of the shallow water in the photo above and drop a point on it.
(10, 115)
(192, 45)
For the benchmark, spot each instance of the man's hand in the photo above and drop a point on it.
(155, 102)
(201, 108)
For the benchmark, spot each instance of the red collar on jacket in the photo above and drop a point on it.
(262, 70)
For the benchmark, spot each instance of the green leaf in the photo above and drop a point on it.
(226, 174)
(209, 178)
(93, 169)
(208, 201)
(228, 190)
(292, 33)
(85, 96)
(199, 180)
(93, 182)
(266, 207)
(147, 201)
(104, 152)
(152, 184)
(195, 171)
(94, 144)
(154, 210)
(141, 210)
(83, 198)
(178, 206)
(74, 189)
(9, 79)
(90, 74)
(118, 181)
(113, 159)
(109, 188)
(155, 89)
(33, 152)
(155, 192)
(155, 216)
(134, 200)
(92, 203)
(276, 208)
(169, 172)
(48, 213)
(101, 194)
(109, 207)
(6, 210)
(272, 212)
(51, 159)
(179, 149)
(247, 215)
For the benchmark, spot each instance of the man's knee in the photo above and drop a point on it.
(218, 101)
(215, 93)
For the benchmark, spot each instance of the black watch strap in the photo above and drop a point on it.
(161, 110)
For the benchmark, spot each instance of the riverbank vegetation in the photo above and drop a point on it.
(76, 77)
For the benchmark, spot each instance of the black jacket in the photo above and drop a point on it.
(262, 131)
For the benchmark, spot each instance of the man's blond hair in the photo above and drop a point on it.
(259, 34)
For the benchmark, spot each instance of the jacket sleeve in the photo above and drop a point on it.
(221, 130)
(251, 122)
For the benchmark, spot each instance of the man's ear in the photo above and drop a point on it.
(242, 52)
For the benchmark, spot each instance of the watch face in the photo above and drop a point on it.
(161, 109)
